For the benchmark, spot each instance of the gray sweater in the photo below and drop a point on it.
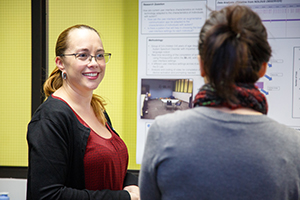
(205, 154)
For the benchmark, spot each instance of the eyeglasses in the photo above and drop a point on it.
(87, 58)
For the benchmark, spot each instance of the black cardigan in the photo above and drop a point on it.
(57, 142)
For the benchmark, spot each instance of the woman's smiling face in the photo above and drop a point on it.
(83, 76)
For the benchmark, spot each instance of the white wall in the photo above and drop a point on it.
(182, 96)
(15, 187)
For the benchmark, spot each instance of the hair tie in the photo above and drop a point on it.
(238, 36)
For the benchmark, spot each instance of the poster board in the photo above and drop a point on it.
(167, 60)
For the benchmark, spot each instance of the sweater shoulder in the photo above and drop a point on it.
(54, 110)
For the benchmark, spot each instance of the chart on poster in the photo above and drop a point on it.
(168, 69)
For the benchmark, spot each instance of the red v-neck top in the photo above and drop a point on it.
(105, 160)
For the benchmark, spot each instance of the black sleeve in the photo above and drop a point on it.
(130, 179)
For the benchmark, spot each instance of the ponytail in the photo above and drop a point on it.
(53, 82)
(98, 104)
(233, 45)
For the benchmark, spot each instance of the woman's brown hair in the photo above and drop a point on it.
(233, 46)
(55, 80)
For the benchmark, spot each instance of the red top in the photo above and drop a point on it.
(105, 160)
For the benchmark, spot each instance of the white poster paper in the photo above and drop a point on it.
(168, 69)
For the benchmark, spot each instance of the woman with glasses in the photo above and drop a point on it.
(74, 152)
(226, 147)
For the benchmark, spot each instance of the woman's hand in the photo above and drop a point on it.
(134, 192)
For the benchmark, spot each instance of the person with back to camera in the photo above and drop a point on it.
(225, 147)
(74, 153)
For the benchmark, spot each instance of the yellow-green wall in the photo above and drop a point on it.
(117, 23)
(15, 81)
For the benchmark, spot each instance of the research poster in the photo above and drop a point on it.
(168, 69)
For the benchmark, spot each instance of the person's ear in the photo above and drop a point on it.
(201, 64)
(263, 69)
(59, 63)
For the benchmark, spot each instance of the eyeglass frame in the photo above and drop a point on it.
(90, 56)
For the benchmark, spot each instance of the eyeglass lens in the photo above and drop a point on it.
(88, 58)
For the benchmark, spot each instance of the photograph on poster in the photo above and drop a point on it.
(162, 96)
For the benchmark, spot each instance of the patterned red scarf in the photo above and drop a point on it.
(248, 96)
